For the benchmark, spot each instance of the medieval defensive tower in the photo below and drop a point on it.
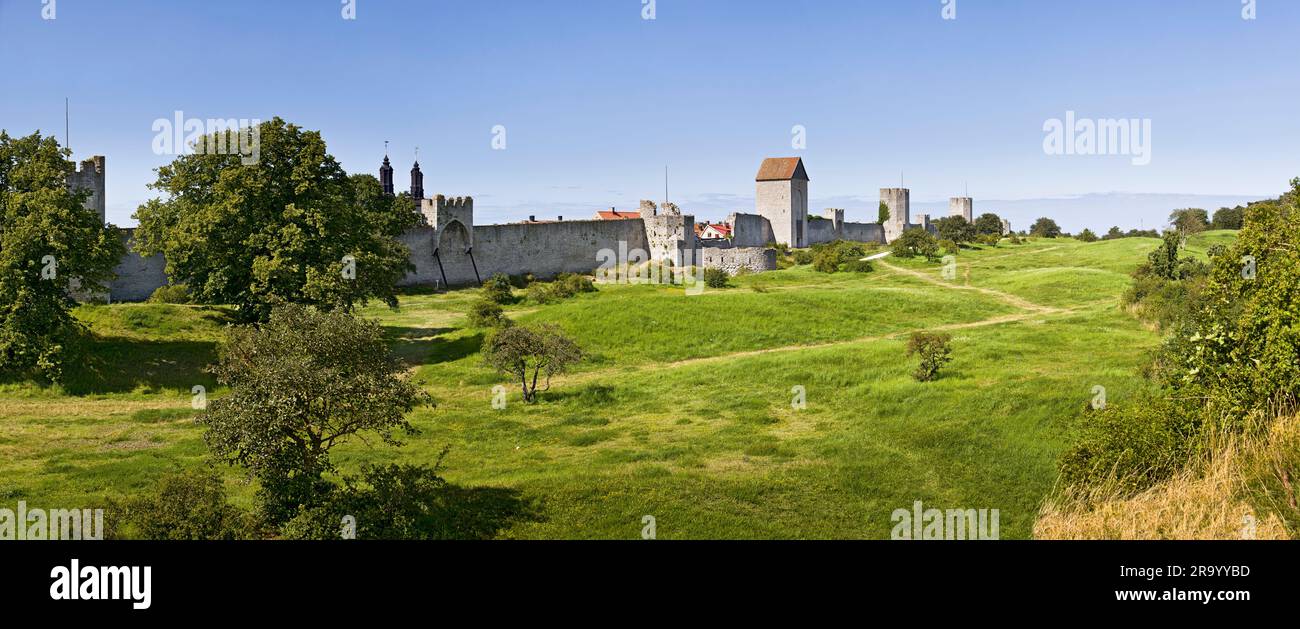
(963, 207)
(90, 177)
(782, 198)
(899, 202)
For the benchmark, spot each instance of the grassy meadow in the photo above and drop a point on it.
(683, 409)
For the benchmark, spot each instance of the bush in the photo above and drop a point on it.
(409, 502)
(186, 506)
(540, 294)
(565, 286)
(568, 285)
(948, 246)
(716, 278)
(170, 294)
(1240, 354)
(935, 350)
(486, 314)
(831, 257)
(1132, 447)
(498, 290)
(858, 266)
(803, 256)
(1087, 235)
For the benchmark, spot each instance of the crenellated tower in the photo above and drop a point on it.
(90, 178)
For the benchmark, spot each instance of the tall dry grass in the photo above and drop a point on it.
(1245, 489)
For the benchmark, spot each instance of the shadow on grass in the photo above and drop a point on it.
(592, 395)
(484, 512)
(122, 365)
(429, 346)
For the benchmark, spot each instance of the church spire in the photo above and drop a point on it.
(417, 179)
(386, 173)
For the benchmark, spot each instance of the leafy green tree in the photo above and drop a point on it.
(1228, 218)
(1239, 359)
(50, 245)
(1189, 221)
(293, 228)
(1087, 235)
(1114, 233)
(988, 223)
(486, 314)
(956, 229)
(1045, 228)
(915, 242)
(526, 352)
(882, 215)
(300, 384)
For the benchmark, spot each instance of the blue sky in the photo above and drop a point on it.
(596, 100)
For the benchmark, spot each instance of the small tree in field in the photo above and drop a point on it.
(301, 384)
(915, 242)
(1045, 228)
(527, 352)
(935, 350)
(956, 229)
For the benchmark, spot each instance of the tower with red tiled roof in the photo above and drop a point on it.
(782, 198)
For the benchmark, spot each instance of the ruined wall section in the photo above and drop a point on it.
(732, 260)
(750, 230)
(668, 236)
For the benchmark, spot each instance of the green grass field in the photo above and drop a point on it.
(683, 410)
